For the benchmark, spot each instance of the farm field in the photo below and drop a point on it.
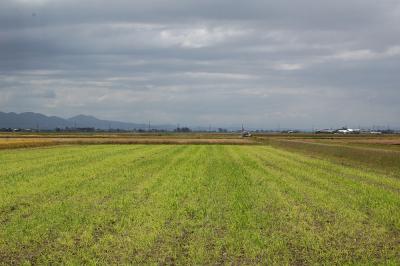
(193, 204)
(375, 153)
(29, 140)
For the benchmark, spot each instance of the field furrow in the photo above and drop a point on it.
(192, 204)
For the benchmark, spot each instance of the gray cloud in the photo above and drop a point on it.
(294, 63)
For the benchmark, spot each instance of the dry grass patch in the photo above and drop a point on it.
(26, 142)
(371, 155)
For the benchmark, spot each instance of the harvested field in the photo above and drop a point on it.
(25, 142)
(375, 153)
(379, 142)
(193, 204)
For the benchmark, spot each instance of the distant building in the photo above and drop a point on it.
(375, 132)
(85, 129)
(324, 131)
(348, 131)
(182, 129)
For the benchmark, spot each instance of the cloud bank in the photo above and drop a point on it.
(263, 63)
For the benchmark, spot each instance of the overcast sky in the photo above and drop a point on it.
(221, 62)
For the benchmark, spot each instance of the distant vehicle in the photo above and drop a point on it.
(245, 133)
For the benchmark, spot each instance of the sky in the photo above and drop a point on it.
(289, 64)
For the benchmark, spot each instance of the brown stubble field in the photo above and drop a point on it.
(379, 153)
(17, 140)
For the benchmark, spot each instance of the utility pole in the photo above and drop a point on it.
(149, 125)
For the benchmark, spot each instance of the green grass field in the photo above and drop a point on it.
(193, 204)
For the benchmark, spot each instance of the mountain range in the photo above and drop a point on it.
(35, 120)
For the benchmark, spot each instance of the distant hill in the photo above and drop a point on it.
(91, 121)
(35, 120)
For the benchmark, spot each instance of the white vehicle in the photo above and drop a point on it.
(245, 133)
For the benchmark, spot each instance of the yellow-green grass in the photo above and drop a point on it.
(192, 204)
